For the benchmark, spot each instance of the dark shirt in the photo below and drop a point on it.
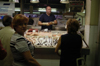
(45, 18)
(70, 49)
(31, 21)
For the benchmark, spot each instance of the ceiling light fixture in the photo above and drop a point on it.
(16, 1)
(64, 1)
(34, 1)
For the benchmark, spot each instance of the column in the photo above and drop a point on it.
(21, 7)
(91, 30)
(31, 9)
(98, 41)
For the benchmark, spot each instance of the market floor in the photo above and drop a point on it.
(49, 62)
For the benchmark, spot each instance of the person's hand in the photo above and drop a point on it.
(50, 23)
(47, 24)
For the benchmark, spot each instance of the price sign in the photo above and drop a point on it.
(76, 6)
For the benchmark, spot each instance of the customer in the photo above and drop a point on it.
(3, 52)
(22, 49)
(5, 36)
(70, 44)
(31, 21)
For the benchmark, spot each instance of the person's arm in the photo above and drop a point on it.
(27, 55)
(41, 23)
(22, 47)
(81, 44)
(53, 22)
(3, 52)
(58, 46)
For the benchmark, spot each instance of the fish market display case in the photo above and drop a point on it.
(45, 43)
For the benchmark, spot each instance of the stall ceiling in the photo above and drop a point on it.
(43, 4)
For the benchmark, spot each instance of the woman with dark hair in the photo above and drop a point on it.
(70, 44)
(7, 20)
(22, 49)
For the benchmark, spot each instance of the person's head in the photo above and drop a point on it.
(20, 23)
(29, 16)
(72, 26)
(48, 10)
(7, 20)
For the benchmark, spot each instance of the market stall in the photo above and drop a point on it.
(43, 38)
(45, 42)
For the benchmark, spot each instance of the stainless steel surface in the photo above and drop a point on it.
(49, 53)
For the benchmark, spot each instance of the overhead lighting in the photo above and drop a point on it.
(16, 1)
(17, 9)
(33, 12)
(44, 10)
(34, 1)
(64, 1)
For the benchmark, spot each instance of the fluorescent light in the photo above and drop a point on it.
(33, 12)
(16, 1)
(64, 1)
(26, 12)
(44, 10)
(34, 1)
(17, 9)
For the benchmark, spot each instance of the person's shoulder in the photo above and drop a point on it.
(17, 37)
(43, 14)
(64, 35)
(79, 36)
(3, 30)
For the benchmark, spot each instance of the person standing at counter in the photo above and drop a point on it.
(70, 44)
(31, 21)
(5, 36)
(22, 49)
(47, 19)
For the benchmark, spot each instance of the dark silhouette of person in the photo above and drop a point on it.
(31, 21)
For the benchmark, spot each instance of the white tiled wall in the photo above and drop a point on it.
(48, 62)
(93, 45)
(87, 32)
